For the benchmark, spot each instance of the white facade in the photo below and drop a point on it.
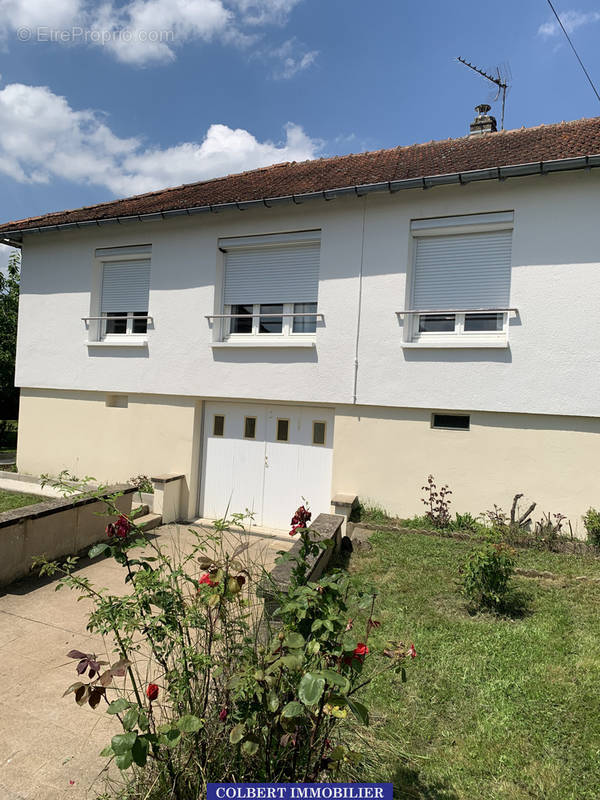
(547, 367)
(359, 357)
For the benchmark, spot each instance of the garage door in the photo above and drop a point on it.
(266, 459)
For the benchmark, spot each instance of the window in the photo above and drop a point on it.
(117, 401)
(459, 422)
(124, 293)
(460, 280)
(218, 425)
(271, 324)
(319, 429)
(304, 324)
(271, 286)
(283, 430)
(249, 427)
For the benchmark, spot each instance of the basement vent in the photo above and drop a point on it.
(117, 401)
(459, 422)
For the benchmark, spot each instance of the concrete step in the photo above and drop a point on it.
(140, 511)
(149, 521)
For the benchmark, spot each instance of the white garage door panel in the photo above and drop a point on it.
(229, 456)
(296, 469)
(269, 477)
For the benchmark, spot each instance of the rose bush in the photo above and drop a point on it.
(232, 698)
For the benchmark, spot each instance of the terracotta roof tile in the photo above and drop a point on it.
(520, 146)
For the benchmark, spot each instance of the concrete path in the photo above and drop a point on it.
(49, 746)
(10, 483)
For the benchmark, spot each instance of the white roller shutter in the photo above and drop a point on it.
(125, 285)
(278, 273)
(463, 271)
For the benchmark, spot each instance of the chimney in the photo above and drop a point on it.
(483, 122)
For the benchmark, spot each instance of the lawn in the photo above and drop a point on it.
(9, 500)
(8, 436)
(494, 708)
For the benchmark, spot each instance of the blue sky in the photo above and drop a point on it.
(182, 90)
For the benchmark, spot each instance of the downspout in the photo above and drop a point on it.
(360, 283)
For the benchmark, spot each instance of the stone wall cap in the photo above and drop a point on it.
(53, 506)
(344, 499)
(167, 478)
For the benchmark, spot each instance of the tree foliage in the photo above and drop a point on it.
(9, 307)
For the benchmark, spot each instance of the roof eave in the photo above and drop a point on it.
(14, 237)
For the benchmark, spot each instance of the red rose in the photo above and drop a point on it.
(412, 651)
(360, 651)
(223, 714)
(152, 691)
(206, 579)
(301, 517)
(122, 527)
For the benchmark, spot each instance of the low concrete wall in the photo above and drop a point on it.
(326, 527)
(55, 528)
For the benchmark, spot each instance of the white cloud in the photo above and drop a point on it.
(42, 138)
(293, 58)
(149, 30)
(572, 20)
(141, 32)
(15, 14)
(265, 12)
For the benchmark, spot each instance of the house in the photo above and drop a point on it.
(344, 325)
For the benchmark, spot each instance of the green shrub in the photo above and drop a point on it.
(437, 502)
(423, 523)
(370, 512)
(591, 520)
(205, 687)
(486, 575)
(467, 522)
(142, 483)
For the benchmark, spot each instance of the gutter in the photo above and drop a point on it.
(15, 238)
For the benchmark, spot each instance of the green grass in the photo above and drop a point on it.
(9, 500)
(494, 708)
(371, 512)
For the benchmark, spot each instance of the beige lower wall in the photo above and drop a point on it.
(385, 455)
(79, 432)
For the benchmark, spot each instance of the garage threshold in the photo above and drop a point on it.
(254, 530)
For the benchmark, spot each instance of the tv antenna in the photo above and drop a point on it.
(501, 79)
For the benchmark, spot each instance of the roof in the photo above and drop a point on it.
(565, 140)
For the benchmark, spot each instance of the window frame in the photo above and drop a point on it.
(435, 427)
(485, 222)
(244, 436)
(324, 424)
(282, 419)
(96, 323)
(222, 334)
(131, 316)
(214, 425)
(459, 333)
(287, 326)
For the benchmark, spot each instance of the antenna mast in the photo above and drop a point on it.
(498, 80)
